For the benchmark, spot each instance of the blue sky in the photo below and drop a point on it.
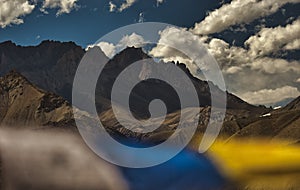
(92, 20)
(256, 42)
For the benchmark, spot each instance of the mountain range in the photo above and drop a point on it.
(36, 90)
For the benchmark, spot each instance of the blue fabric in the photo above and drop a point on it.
(187, 171)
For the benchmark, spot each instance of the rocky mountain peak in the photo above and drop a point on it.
(128, 56)
(7, 43)
(13, 81)
(51, 65)
(24, 104)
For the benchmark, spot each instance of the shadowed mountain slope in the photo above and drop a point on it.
(23, 104)
(52, 67)
(279, 124)
(148, 90)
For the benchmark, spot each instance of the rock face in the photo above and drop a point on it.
(23, 104)
(147, 90)
(51, 66)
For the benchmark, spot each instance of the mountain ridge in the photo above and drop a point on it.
(55, 76)
(56, 73)
(24, 104)
(68, 56)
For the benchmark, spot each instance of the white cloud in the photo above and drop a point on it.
(64, 6)
(269, 96)
(112, 6)
(242, 71)
(110, 49)
(127, 4)
(158, 2)
(271, 40)
(233, 70)
(179, 38)
(11, 11)
(229, 57)
(275, 66)
(294, 45)
(131, 40)
(238, 12)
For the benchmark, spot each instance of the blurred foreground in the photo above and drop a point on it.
(55, 160)
(259, 164)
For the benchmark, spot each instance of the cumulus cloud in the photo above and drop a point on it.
(112, 6)
(110, 49)
(238, 12)
(11, 12)
(131, 40)
(227, 55)
(231, 58)
(64, 6)
(269, 96)
(233, 70)
(275, 66)
(241, 68)
(179, 38)
(249, 68)
(126, 5)
(271, 40)
(294, 45)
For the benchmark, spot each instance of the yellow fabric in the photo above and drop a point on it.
(259, 164)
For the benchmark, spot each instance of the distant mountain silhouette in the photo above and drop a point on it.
(51, 65)
(37, 92)
(148, 90)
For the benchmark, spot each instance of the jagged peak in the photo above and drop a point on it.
(7, 44)
(49, 42)
(14, 79)
(10, 43)
(133, 50)
(14, 74)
